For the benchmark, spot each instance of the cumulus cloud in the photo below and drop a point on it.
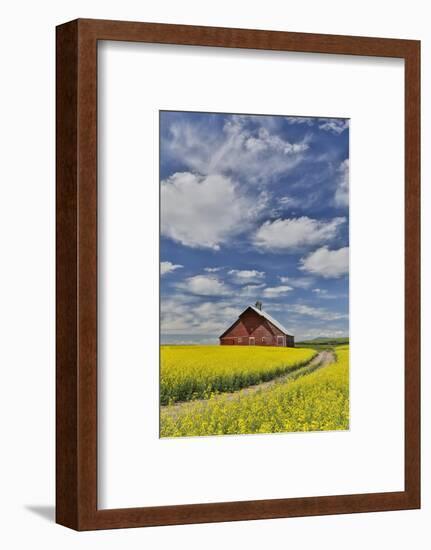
(241, 276)
(327, 263)
(283, 234)
(244, 147)
(318, 313)
(264, 141)
(322, 293)
(251, 151)
(168, 267)
(251, 291)
(204, 211)
(342, 191)
(212, 269)
(287, 201)
(186, 316)
(297, 282)
(276, 291)
(204, 285)
(334, 125)
(308, 121)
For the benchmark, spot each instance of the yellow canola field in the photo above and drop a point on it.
(197, 372)
(315, 402)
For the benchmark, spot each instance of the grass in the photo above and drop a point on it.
(321, 343)
(315, 402)
(197, 372)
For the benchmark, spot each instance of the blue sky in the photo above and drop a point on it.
(253, 208)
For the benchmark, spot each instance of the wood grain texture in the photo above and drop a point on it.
(76, 457)
(67, 479)
(412, 274)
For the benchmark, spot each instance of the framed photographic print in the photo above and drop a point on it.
(238, 274)
(250, 204)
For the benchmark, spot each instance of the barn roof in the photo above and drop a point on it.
(263, 314)
(268, 317)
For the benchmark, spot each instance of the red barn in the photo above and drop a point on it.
(255, 327)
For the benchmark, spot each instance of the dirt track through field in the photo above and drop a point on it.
(322, 359)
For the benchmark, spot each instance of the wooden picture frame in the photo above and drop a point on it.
(76, 374)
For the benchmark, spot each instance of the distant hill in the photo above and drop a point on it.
(325, 340)
(322, 341)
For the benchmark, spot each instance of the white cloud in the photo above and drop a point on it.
(204, 212)
(287, 201)
(296, 232)
(334, 125)
(168, 267)
(245, 147)
(297, 282)
(300, 120)
(251, 291)
(301, 282)
(327, 263)
(276, 291)
(189, 316)
(342, 191)
(324, 294)
(212, 269)
(204, 285)
(241, 276)
(318, 313)
(264, 141)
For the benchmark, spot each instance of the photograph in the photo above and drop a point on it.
(254, 274)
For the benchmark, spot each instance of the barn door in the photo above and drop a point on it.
(280, 340)
(251, 341)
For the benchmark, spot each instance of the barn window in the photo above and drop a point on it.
(239, 340)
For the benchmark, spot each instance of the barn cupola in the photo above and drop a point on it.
(258, 305)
